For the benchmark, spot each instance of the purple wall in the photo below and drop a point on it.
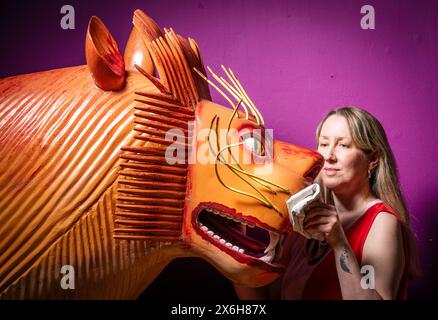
(297, 59)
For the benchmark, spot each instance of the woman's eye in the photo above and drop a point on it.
(323, 144)
(344, 145)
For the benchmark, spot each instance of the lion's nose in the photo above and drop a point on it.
(302, 161)
(313, 172)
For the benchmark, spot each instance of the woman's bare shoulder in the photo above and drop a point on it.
(385, 236)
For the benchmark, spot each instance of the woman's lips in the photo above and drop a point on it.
(330, 171)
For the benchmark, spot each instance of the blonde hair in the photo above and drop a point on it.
(369, 136)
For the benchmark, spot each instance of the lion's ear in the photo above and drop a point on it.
(103, 56)
(144, 31)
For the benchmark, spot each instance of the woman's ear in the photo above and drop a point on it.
(103, 56)
(374, 161)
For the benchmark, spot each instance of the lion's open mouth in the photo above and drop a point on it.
(236, 235)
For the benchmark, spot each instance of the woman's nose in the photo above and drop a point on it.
(330, 155)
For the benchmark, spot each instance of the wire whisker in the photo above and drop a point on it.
(230, 89)
(214, 86)
(267, 202)
(228, 143)
(263, 198)
(237, 92)
(243, 92)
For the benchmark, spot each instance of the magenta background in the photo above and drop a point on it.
(296, 59)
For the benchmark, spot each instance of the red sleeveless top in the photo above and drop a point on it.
(323, 283)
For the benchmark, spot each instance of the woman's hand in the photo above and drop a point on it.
(323, 220)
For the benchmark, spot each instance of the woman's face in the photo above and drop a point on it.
(345, 166)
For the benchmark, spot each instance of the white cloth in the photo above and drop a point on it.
(296, 206)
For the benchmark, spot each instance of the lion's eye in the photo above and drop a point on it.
(254, 144)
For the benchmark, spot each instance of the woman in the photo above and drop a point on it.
(368, 250)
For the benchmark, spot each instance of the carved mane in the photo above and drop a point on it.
(151, 193)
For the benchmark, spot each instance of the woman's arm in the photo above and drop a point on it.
(384, 252)
(383, 256)
(350, 276)
(382, 262)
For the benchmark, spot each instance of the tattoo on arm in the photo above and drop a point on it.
(343, 262)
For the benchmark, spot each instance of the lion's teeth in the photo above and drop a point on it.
(268, 257)
(269, 251)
